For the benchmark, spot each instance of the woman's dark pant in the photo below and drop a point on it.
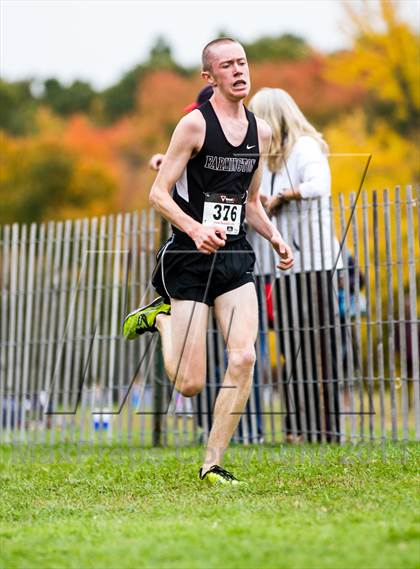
(305, 324)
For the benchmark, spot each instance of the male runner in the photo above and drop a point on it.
(212, 164)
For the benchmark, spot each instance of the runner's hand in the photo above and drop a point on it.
(264, 200)
(284, 251)
(208, 239)
(273, 205)
(156, 161)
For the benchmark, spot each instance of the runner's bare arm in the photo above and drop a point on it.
(186, 140)
(255, 213)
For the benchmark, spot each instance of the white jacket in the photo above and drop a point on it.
(307, 170)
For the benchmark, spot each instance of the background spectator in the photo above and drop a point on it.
(297, 171)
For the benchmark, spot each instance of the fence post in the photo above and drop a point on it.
(5, 297)
(402, 340)
(378, 314)
(390, 315)
(411, 203)
(159, 369)
(369, 323)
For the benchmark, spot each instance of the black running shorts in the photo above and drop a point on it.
(184, 273)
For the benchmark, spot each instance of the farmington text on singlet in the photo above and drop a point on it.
(229, 164)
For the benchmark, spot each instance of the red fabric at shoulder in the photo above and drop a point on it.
(191, 107)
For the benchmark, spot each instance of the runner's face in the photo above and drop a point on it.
(230, 71)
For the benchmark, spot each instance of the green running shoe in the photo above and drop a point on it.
(218, 475)
(143, 319)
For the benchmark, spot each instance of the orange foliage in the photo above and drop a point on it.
(82, 136)
(319, 97)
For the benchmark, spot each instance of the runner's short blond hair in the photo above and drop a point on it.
(206, 55)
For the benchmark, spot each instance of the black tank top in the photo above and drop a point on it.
(220, 172)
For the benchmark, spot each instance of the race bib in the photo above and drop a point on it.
(220, 209)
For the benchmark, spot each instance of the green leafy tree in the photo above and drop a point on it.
(161, 54)
(120, 99)
(17, 107)
(285, 47)
(77, 97)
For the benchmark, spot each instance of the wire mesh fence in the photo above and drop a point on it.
(337, 349)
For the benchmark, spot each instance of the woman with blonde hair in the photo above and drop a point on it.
(296, 190)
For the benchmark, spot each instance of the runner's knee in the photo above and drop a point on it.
(242, 359)
(190, 388)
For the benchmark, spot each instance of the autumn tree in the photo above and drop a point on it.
(385, 60)
(49, 176)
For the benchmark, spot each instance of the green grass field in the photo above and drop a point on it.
(304, 507)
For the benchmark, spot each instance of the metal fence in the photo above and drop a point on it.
(66, 373)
